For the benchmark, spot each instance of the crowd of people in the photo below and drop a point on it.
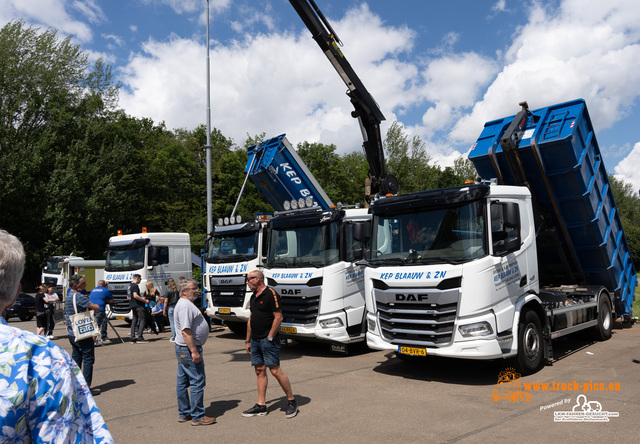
(69, 381)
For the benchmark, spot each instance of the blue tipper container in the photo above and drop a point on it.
(280, 174)
(567, 177)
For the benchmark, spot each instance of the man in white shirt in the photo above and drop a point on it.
(192, 332)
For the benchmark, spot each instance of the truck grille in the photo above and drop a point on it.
(300, 303)
(422, 317)
(120, 302)
(300, 310)
(231, 296)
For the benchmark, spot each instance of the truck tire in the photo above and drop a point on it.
(602, 331)
(530, 343)
(239, 328)
(26, 318)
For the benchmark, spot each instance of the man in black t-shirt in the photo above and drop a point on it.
(263, 343)
(137, 305)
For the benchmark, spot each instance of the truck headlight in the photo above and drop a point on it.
(371, 325)
(476, 329)
(331, 323)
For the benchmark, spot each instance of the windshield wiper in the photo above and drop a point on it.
(245, 257)
(306, 264)
(388, 261)
(279, 264)
(436, 260)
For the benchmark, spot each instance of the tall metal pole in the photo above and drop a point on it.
(208, 145)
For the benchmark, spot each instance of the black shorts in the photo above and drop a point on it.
(41, 321)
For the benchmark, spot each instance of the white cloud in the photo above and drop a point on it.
(52, 13)
(628, 170)
(587, 49)
(453, 82)
(499, 6)
(254, 91)
(116, 39)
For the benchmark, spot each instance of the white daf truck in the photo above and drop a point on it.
(237, 246)
(52, 271)
(310, 263)
(156, 257)
(499, 269)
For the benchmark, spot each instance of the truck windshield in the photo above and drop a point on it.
(307, 246)
(233, 247)
(52, 265)
(453, 235)
(124, 259)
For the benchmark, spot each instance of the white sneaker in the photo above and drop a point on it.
(50, 337)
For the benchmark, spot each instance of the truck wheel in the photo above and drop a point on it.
(602, 331)
(26, 317)
(239, 328)
(530, 343)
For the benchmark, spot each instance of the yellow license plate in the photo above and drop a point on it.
(288, 329)
(413, 351)
(122, 318)
(224, 311)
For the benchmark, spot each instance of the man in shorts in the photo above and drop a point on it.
(263, 343)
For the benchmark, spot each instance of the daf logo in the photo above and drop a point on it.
(411, 297)
(291, 291)
(225, 281)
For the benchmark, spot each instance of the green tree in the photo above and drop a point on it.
(356, 171)
(463, 169)
(628, 207)
(47, 96)
(326, 166)
(408, 161)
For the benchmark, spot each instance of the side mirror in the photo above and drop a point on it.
(361, 231)
(512, 216)
(505, 221)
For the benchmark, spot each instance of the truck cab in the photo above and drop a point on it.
(231, 253)
(52, 271)
(431, 250)
(310, 263)
(156, 257)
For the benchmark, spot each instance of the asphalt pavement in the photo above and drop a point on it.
(372, 396)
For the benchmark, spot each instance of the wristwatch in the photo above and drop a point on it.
(269, 338)
(247, 342)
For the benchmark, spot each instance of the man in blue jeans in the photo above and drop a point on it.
(192, 332)
(263, 343)
(101, 296)
(83, 351)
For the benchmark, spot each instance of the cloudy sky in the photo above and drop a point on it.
(441, 68)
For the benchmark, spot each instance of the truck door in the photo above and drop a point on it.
(512, 273)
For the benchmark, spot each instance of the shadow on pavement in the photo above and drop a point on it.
(113, 385)
(445, 370)
(219, 408)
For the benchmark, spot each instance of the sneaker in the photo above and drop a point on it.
(256, 410)
(184, 419)
(142, 341)
(292, 409)
(172, 340)
(95, 391)
(204, 421)
(98, 344)
(133, 341)
(50, 337)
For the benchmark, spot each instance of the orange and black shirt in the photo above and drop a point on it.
(262, 308)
